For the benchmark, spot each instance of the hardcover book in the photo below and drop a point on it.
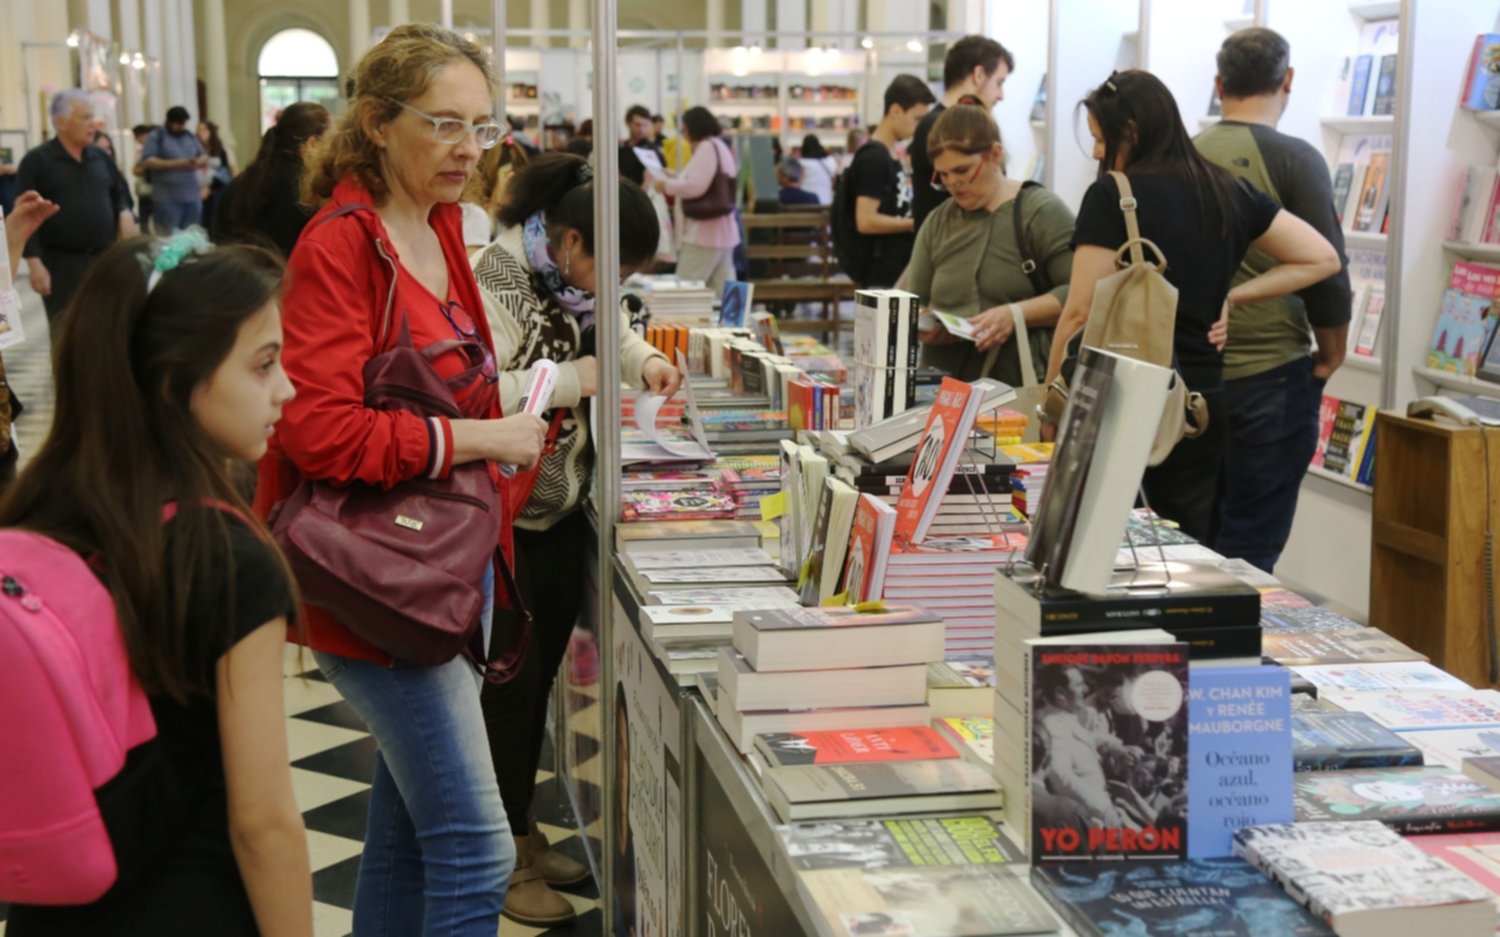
(1481, 90)
(1095, 712)
(1239, 754)
(1351, 875)
(1323, 740)
(1359, 87)
(811, 792)
(898, 843)
(1217, 897)
(835, 637)
(1476, 855)
(1411, 801)
(850, 746)
(1367, 645)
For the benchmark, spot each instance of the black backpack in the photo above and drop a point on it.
(841, 226)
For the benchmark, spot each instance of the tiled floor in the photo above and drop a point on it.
(332, 755)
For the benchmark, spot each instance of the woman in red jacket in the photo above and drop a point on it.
(438, 851)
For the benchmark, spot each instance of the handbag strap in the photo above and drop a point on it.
(1023, 349)
(503, 667)
(1029, 265)
(1128, 205)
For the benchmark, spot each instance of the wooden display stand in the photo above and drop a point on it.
(1427, 563)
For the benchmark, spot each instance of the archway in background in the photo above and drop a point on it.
(297, 65)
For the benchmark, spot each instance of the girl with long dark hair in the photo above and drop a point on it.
(264, 202)
(1203, 220)
(169, 380)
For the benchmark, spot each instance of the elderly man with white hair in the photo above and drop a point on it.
(92, 211)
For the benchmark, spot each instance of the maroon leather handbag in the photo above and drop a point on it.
(402, 568)
(718, 200)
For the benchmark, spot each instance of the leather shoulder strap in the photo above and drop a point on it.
(1128, 206)
(1029, 265)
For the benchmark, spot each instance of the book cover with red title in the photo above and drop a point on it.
(902, 743)
(943, 441)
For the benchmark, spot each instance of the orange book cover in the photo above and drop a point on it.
(943, 440)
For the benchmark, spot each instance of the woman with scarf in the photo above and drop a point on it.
(537, 281)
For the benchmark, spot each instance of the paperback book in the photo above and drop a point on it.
(1218, 897)
(851, 746)
(943, 443)
(1323, 740)
(1366, 645)
(1464, 321)
(897, 843)
(954, 901)
(813, 792)
(1411, 801)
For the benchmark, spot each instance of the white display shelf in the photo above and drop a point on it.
(1361, 363)
(1038, 125)
(1315, 472)
(1479, 252)
(1236, 23)
(1384, 123)
(1489, 119)
(528, 106)
(1366, 240)
(1450, 381)
(1376, 9)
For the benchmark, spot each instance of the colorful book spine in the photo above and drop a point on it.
(1359, 86)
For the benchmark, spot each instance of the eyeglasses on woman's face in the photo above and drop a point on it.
(451, 131)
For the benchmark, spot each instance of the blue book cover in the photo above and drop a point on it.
(1360, 87)
(734, 305)
(1335, 741)
(1239, 754)
(1218, 897)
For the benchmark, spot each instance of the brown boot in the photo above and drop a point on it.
(530, 900)
(555, 868)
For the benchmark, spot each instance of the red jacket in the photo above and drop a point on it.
(339, 284)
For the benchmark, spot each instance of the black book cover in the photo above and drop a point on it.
(1199, 596)
(1204, 898)
(891, 306)
(1334, 741)
(1108, 780)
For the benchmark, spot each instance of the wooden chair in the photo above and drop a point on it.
(800, 267)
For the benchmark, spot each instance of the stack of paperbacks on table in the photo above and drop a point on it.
(954, 576)
(785, 660)
(961, 686)
(686, 535)
(1363, 880)
(1336, 741)
(1065, 801)
(898, 434)
(748, 478)
(977, 499)
(1169, 899)
(953, 875)
(1032, 462)
(973, 736)
(679, 302)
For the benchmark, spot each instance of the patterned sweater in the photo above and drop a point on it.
(527, 325)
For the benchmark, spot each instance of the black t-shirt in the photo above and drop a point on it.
(876, 174)
(1202, 252)
(631, 166)
(89, 199)
(924, 198)
(195, 886)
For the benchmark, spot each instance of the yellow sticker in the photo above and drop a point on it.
(833, 601)
(773, 506)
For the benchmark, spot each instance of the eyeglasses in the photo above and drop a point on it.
(465, 329)
(451, 131)
(938, 184)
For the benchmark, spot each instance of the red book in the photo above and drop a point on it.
(850, 746)
(1328, 411)
(1476, 855)
(869, 549)
(943, 441)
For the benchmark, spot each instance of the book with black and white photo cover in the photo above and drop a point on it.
(834, 637)
(1107, 751)
(745, 689)
(854, 746)
(954, 901)
(1363, 880)
(815, 792)
(1114, 407)
(898, 842)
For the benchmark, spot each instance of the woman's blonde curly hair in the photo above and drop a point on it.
(395, 70)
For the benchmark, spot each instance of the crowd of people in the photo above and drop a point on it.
(344, 250)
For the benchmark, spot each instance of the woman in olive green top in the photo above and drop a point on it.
(967, 262)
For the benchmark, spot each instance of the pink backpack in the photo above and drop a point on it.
(73, 712)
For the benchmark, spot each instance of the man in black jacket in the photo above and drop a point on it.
(638, 125)
(974, 72)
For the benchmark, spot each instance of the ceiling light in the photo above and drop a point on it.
(124, 59)
(867, 43)
(915, 45)
(755, 49)
(72, 40)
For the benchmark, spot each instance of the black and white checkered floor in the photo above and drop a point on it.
(332, 755)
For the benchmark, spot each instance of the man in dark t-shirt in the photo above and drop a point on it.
(974, 72)
(1274, 374)
(638, 124)
(880, 187)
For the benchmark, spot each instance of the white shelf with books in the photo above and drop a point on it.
(1086, 40)
(1362, 363)
(1460, 383)
(1366, 240)
(1337, 479)
(1376, 10)
(1379, 123)
(1483, 253)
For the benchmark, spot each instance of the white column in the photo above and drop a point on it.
(400, 13)
(965, 16)
(715, 23)
(359, 29)
(541, 18)
(189, 55)
(753, 21)
(843, 15)
(131, 108)
(172, 63)
(820, 20)
(153, 36)
(216, 68)
(446, 13)
(791, 17)
(98, 19)
(578, 18)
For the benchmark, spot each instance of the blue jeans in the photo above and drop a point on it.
(174, 216)
(438, 849)
(1273, 433)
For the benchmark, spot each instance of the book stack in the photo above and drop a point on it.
(961, 686)
(885, 354)
(1464, 322)
(1363, 879)
(747, 479)
(954, 576)
(1346, 440)
(977, 498)
(674, 301)
(1006, 425)
(801, 669)
(1029, 480)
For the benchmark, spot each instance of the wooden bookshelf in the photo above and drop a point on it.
(1427, 568)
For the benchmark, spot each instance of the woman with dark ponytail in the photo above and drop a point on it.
(263, 203)
(537, 281)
